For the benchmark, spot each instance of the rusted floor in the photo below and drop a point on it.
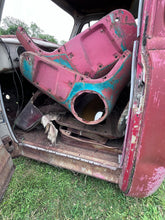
(104, 154)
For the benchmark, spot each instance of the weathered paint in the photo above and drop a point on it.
(109, 86)
(95, 55)
(62, 59)
(63, 62)
(27, 66)
(94, 51)
(50, 77)
(143, 166)
(118, 31)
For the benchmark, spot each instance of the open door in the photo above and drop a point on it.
(6, 169)
(143, 167)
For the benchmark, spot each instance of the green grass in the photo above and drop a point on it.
(40, 191)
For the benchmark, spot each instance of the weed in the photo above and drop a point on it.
(40, 191)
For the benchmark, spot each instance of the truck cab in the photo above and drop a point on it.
(93, 105)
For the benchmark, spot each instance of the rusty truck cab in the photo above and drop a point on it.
(46, 104)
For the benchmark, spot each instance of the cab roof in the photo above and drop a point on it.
(88, 7)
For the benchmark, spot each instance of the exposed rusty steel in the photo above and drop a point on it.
(95, 137)
(8, 143)
(67, 137)
(90, 84)
(111, 128)
(81, 156)
(6, 169)
(107, 129)
(73, 161)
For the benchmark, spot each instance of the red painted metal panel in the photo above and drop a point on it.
(144, 159)
(94, 51)
(95, 65)
(65, 86)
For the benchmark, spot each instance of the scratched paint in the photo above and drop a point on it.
(118, 31)
(98, 45)
(92, 51)
(110, 85)
(62, 59)
(107, 87)
(143, 167)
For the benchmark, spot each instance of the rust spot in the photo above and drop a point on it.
(71, 55)
(70, 84)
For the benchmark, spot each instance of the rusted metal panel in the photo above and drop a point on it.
(111, 128)
(144, 159)
(95, 137)
(30, 116)
(72, 162)
(6, 169)
(77, 154)
(70, 139)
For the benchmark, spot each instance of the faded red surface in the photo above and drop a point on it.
(144, 161)
(93, 51)
(96, 62)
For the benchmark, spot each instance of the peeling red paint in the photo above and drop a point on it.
(144, 160)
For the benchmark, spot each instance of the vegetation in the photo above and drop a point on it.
(11, 24)
(40, 191)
